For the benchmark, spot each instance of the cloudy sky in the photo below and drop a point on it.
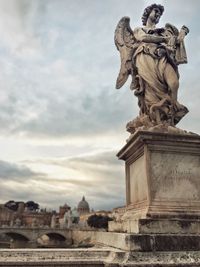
(61, 119)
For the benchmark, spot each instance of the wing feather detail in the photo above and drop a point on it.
(124, 41)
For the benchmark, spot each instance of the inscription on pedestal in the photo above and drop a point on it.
(175, 176)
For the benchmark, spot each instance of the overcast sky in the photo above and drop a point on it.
(61, 119)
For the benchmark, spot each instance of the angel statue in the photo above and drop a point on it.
(151, 56)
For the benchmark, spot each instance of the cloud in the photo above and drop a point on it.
(99, 177)
(17, 28)
(57, 94)
(18, 182)
(14, 171)
(67, 86)
(59, 113)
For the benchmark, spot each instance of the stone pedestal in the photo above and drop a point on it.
(162, 175)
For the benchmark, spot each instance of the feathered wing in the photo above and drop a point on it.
(124, 41)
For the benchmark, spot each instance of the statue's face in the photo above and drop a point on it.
(155, 15)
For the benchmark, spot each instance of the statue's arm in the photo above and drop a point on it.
(142, 36)
(180, 53)
(183, 32)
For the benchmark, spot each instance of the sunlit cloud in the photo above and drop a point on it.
(68, 178)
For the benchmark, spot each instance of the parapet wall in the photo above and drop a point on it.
(87, 238)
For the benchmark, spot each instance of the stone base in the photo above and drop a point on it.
(156, 226)
(156, 259)
(53, 257)
(141, 242)
(162, 175)
(151, 242)
(97, 258)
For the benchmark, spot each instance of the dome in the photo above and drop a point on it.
(83, 206)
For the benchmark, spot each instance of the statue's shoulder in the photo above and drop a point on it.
(137, 29)
(138, 32)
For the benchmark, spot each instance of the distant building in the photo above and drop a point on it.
(63, 209)
(36, 219)
(27, 214)
(6, 215)
(83, 207)
(21, 214)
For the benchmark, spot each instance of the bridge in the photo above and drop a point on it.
(29, 236)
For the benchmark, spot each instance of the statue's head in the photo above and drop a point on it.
(155, 11)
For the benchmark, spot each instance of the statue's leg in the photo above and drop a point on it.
(172, 81)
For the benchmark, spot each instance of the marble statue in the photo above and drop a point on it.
(67, 219)
(18, 222)
(151, 56)
(34, 223)
(53, 221)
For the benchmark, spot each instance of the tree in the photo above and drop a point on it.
(32, 206)
(12, 205)
(98, 221)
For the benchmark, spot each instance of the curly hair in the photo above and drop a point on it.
(148, 10)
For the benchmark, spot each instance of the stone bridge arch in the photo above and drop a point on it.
(17, 239)
(55, 238)
(28, 237)
(16, 235)
(55, 235)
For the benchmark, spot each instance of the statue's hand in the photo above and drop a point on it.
(185, 29)
(183, 32)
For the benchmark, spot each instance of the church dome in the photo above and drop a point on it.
(83, 206)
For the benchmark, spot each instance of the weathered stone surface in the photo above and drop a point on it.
(158, 242)
(116, 240)
(53, 257)
(155, 259)
(96, 258)
(153, 226)
(142, 242)
(162, 175)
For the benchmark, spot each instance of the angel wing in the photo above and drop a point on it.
(124, 41)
